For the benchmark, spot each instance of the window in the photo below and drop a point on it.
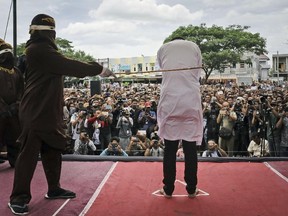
(139, 67)
(281, 67)
(242, 65)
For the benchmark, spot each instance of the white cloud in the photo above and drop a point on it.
(119, 28)
(129, 24)
(143, 11)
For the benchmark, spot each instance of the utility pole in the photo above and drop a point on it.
(277, 66)
(14, 28)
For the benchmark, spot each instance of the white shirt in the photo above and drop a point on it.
(78, 148)
(255, 149)
(159, 152)
(179, 108)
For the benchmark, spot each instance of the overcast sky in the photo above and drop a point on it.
(129, 28)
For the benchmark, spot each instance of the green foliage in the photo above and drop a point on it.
(20, 49)
(221, 46)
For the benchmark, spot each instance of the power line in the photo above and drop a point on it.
(8, 19)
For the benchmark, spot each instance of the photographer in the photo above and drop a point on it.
(83, 145)
(77, 125)
(282, 124)
(135, 147)
(125, 124)
(214, 150)
(105, 120)
(241, 127)
(135, 111)
(210, 113)
(116, 113)
(226, 119)
(257, 120)
(270, 115)
(147, 117)
(258, 146)
(155, 149)
(94, 125)
(114, 149)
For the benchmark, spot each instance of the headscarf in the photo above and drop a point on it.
(42, 29)
(6, 55)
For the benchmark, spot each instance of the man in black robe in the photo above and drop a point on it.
(41, 112)
(11, 90)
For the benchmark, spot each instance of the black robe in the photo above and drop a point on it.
(41, 108)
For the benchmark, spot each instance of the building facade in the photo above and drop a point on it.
(142, 68)
(280, 66)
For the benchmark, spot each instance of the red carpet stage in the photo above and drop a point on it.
(132, 188)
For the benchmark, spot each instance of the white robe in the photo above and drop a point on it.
(179, 109)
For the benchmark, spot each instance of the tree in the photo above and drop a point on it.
(65, 48)
(221, 46)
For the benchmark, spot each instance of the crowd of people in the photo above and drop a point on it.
(129, 111)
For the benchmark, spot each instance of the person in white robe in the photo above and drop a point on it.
(179, 110)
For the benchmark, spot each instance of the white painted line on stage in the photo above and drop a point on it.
(61, 207)
(96, 193)
(200, 192)
(274, 170)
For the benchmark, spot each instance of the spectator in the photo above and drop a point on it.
(147, 117)
(271, 115)
(155, 149)
(125, 124)
(180, 153)
(152, 131)
(135, 147)
(105, 120)
(241, 127)
(226, 119)
(258, 147)
(77, 124)
(135, 111)
(282, 124)
(83, 145)
(114, 149)
(214, 150)
(257, 123)
(93, 122)
(210, 113)
(144, 139)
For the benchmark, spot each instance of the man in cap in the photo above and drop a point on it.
(11, 89)
(41, 112)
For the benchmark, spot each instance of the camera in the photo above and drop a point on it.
(85, 134)
(155, 142)
(250, 102)
(263, 97)
(238, 107)
(114, 147)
